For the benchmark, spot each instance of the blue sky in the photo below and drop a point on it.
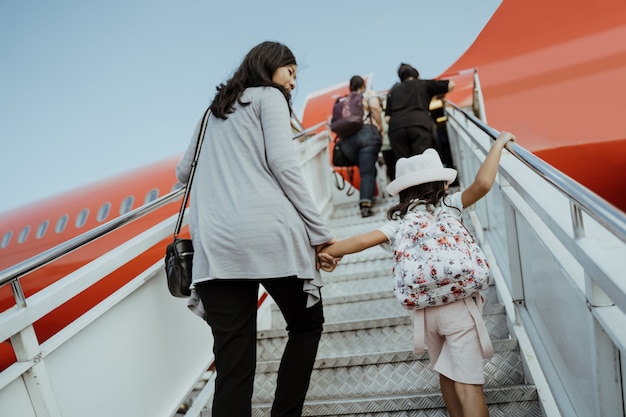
(89, 90)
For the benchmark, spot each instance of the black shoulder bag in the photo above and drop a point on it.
(339, 158)
(179, 253)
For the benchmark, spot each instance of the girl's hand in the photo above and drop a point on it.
(327, 262)
(504, 138)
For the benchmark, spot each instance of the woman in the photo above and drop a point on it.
(253, 222)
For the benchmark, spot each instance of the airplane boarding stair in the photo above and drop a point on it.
(365, 364)
(555, 310)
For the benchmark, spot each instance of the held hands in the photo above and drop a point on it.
(323, 260)
(327, 262)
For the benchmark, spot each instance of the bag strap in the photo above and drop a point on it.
(205, 121)
(342, 186)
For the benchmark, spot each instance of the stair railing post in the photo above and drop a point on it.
(36, 379)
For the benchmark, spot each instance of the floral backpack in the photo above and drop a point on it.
(436, 260)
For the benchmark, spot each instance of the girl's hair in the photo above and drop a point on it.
(406, 71)
(430, 194)
(256, 70)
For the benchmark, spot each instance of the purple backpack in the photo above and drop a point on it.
(348, 114)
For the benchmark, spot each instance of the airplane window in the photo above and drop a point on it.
(127, 204)
(6, 239)
(61, 223)
(42, 229)
(176, 186)
(23, 234)
(152, 195)
(82, 218)
(103, 213)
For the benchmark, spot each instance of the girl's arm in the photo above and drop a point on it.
(355, 244)
(486, 175)
(331, 254)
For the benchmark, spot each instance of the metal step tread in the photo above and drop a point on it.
(510, 401)
(354, 325)
(388, 300)
(370, 308)
(374, 284)
(367, 268)
(332, 360)
(390, 372)
(386, 296)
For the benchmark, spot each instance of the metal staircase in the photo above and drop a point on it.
(365, 364)
(556, 251)
(555, 279)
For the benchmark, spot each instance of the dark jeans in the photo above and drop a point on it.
(411, 140)
(363, 148)
(231, 309)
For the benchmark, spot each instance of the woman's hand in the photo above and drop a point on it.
(327, 262)
(323, 260)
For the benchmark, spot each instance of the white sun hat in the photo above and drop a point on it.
(419, 169)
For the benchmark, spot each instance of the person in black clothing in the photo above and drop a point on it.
(411, 127)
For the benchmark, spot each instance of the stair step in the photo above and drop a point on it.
(377, 302)
(350, 319)
(511, 401)
(353, 307)
(386, 373)
(359, 337)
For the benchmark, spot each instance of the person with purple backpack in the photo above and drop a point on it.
(363, 146)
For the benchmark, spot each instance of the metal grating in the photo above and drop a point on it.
(382, 374)
(516, 401)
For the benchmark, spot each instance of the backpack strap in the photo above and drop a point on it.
(419, 329)
(475, 307)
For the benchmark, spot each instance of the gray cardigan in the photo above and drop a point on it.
(251, 215)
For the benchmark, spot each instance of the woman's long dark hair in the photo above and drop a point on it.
(256, 70)
(430, 194)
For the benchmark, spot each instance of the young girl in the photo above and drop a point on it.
(455, 333)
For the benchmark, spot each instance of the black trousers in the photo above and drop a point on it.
(231, 309)
(411, 140)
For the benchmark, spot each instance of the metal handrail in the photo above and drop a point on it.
(11, 274)
(595, 206)
(37, 261)
(309, 131)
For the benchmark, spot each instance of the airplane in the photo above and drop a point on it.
(35, 228)
(558, 87)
